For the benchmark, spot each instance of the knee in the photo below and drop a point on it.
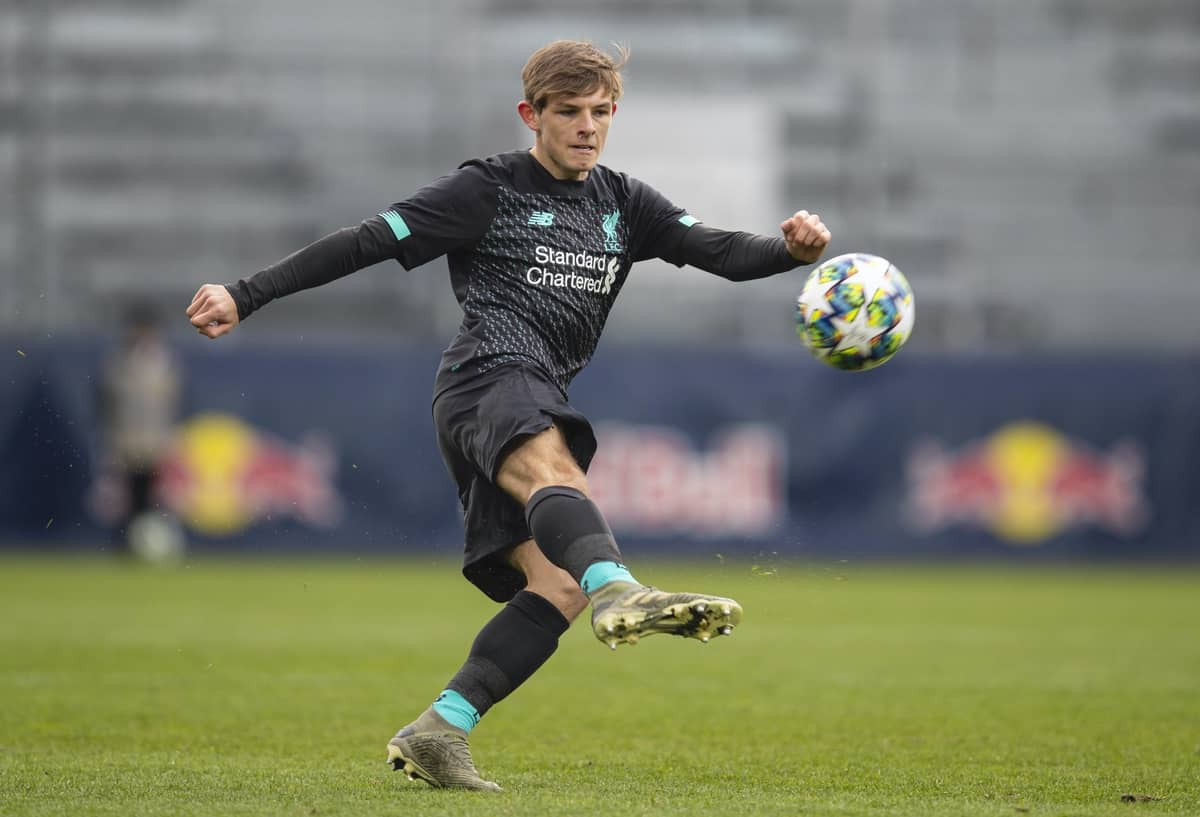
(561, 474)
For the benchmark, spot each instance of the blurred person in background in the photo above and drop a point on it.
(539, 243)
(140, 392)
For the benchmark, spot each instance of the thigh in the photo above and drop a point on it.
(538, 461)
(481, 423)
(479, 420)
(513, 420)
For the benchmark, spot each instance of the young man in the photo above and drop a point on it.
(539, 243)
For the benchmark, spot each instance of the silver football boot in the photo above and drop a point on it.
(623, 612)
(434, 750)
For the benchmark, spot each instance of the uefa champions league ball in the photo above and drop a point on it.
(855, 311)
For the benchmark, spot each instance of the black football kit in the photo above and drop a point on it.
(536, 264)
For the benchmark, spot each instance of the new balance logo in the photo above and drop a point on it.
(540, 218)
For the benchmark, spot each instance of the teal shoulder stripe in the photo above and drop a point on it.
(687, 220)
(399, 228)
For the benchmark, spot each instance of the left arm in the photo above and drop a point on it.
(665, 231)
(739, 256)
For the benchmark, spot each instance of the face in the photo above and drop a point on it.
(571, 132)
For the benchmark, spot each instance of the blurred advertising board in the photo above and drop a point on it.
(304, 447)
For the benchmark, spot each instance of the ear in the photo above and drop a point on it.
(614, 110)
(529, 116)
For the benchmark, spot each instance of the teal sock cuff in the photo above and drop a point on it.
(457, 710)
(601, 573)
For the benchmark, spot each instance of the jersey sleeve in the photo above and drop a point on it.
(662, 230)
(449, 214)
(657, 225)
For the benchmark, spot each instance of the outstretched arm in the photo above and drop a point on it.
(448, 214)
(216, 309)
(740, 256)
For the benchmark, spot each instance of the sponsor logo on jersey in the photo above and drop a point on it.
(540, 218)
(611, 276)
(546, 257)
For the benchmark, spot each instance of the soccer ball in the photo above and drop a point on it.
(156, 539)
(855, 311)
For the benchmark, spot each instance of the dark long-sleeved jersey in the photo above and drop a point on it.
(535, 262)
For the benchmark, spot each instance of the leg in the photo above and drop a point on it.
(476, 424)
(571, 531)
(543, 476)
(137, 487)
(507, 651)
(540, 461)
(575, 556)
(516, 642)
(548, 581)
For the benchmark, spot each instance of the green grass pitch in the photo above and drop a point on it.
(248, 688)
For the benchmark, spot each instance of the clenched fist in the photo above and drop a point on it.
(213, 311)
(806, 236)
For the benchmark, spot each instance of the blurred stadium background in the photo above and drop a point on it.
(1033, 168)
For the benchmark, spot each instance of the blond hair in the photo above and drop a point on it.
(571, 68)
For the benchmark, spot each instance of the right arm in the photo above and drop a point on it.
(448, 214)
(216, 309)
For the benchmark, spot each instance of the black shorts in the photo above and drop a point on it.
(478, 422)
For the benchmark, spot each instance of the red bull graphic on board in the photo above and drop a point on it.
(651, 480)
(223, 475)
(1025, 483)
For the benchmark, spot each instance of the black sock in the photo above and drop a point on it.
(570, 530)
(509, 649)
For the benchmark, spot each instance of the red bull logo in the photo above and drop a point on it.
(222, 475)
(651, 479)
(1026, 483)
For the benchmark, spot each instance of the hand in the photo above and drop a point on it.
(213, 311)
(806, 237)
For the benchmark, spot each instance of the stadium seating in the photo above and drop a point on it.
(1010, 160)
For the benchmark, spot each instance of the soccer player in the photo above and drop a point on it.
(140, 392)
(539, 243)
